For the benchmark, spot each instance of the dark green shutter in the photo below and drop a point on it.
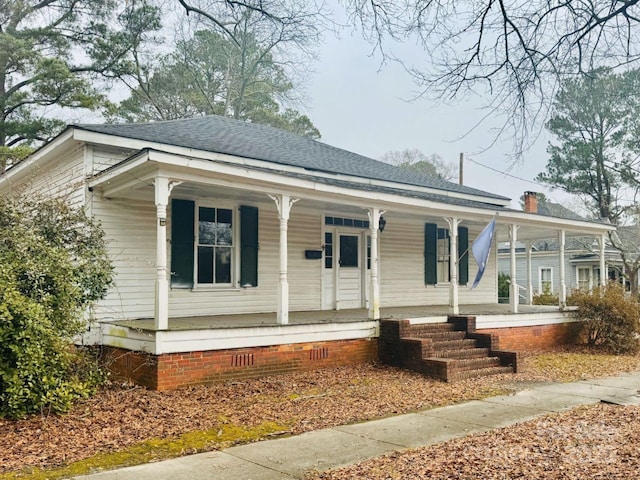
(248, 246)
(463, 255)
(182, 220)
(430, 253)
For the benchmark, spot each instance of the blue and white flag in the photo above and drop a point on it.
(481, 249)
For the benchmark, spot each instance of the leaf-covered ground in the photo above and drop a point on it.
(122, 418)
(595, 442)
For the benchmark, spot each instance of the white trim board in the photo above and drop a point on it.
(179, 341)
(522, 320)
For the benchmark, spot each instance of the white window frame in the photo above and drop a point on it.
(540, 288)
(235, 238)
(445, 263)
(589, 276)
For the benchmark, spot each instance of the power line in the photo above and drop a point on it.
(515, 176)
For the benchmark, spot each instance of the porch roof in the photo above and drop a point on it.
(134, 177)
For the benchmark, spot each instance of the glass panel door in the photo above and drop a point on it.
(348, 251)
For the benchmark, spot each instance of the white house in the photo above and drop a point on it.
(538, 262)
(240, 243)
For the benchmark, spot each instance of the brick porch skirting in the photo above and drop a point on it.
(174, 370)
(527, 338)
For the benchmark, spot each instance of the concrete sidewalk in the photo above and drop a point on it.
(290, 458)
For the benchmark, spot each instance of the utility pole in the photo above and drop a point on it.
(461, 177)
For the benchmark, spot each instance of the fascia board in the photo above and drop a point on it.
(15, 173)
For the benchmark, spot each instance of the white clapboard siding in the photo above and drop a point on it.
(402, 270)
(104, 158)
(63, 177)
(305, 276)
(131, 232)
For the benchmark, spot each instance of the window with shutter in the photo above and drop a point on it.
(437, 256)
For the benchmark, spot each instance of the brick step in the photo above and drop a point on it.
(462, 353)
(455, 344)
(441, 336)
(481, 372)
(464, 364)
(426, 328)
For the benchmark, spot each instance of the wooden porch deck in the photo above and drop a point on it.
(250, 320)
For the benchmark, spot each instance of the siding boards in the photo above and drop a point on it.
(63, 177)
(402, 270)
(542, 259)
(104, 158)
(131, 232)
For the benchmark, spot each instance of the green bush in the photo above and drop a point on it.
(503, 287)
(607, 318)
(545, 298)
(53, 266)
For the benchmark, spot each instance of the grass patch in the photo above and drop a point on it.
(154, 450)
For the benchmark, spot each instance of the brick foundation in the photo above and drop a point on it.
(174, 370)
(528, 338)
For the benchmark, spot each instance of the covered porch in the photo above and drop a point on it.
(305, 278)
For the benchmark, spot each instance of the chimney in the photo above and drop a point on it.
(531, 202)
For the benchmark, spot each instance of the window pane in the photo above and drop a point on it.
(205, 264)
(328, 220)
(328, 238)
(207, 214)
(206, 226)
(223, 265)
(348, 251)
(328, 250)
(328, 262)
(223, 229)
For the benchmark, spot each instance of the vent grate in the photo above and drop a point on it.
(242, 360)
(319, 353)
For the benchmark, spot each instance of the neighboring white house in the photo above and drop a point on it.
(582, 258)
(219, 229)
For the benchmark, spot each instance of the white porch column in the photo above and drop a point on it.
(562, 293)
(283, 204)
(374, 287)
(529, 272)
(603, 266)
(513, 286)
(453, 265)
(162, 191)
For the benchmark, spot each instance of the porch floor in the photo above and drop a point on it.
(248, 320)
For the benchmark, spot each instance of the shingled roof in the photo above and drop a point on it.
(234, 137)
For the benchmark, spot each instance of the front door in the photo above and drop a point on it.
(349, 272)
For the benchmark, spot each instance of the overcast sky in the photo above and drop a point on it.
(358, 106)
